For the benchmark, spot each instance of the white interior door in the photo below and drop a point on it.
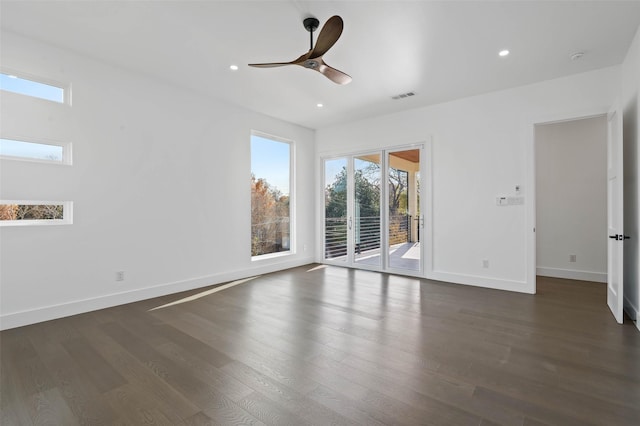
(615, 218)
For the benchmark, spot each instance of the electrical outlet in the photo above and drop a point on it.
(120, 276)
(572, 258)
(485, 263)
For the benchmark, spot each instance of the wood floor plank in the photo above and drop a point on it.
(167, 399)
(443, 388)
(99, 372)
(49, 408)
(232, 388)
(345, 406)
(231, 415)
(23, 363)
(588, 408)
(173, 373)
(82, 396)
(294, 402)
(393, 389)
(271, 414)
(136, 408)
(319, 345)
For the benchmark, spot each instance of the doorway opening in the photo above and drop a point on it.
(571, 198)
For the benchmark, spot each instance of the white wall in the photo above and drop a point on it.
(159, 181)
(480, 150)
(631, 134)
(571, 199)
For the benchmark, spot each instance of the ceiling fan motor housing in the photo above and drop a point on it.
(311, 24)
(310, 63)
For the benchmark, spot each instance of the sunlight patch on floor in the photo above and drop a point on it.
(315, 268)
(204, 293)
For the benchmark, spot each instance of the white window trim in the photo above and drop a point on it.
(66, 87)
(292, 198)
(66, 220)
(67, 151)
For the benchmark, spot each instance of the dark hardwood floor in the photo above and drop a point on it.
(331, 346)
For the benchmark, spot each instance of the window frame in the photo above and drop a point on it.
(292, 198)
(67, 151)
(67, 214)
(66, 88)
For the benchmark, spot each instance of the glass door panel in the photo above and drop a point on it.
(404, 220)
(366, 210)
(335, 209)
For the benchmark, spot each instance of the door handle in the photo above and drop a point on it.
(619, 237)
(350, 222)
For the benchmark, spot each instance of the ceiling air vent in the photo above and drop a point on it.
(403, 95)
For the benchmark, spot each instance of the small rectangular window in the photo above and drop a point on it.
(21, 150)
(271, 203)
(23, 86)
(16, 213)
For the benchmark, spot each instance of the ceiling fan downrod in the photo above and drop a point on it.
(311, 24)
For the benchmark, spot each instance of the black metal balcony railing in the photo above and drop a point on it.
(367, 233)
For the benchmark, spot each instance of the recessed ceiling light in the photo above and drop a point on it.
(233, 68)
(503, 53)
(319, 105)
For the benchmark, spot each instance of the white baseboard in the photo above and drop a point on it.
(46, 313)
(631, 310)
(599, 277)
(479, 281)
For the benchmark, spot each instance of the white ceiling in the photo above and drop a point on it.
(439, 50)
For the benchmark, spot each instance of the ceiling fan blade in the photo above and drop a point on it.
(297, 61)
(271, 65)
(328, 36)
(333, 74)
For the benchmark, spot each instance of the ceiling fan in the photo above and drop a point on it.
(312, 60)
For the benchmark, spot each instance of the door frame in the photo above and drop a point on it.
(426, 207)
(530, 181)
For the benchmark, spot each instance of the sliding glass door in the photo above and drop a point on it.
(335, 210)
(372, 214)
(404, 219)
(367, 173)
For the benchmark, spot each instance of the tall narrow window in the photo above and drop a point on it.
(271, 202)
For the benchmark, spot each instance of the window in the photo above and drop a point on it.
(271, 189)
(16, 213)
(15, 84)
(15, 149)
